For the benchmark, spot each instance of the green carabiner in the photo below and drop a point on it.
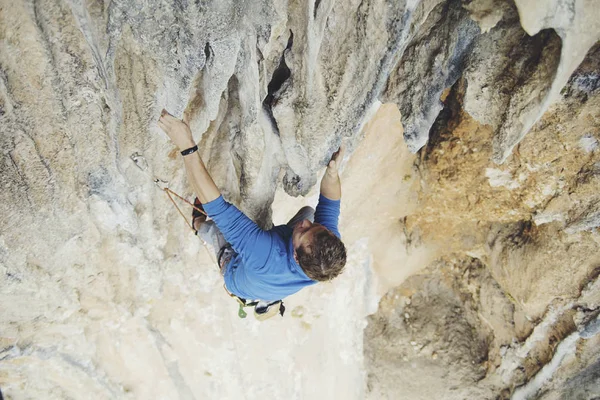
(241, 312)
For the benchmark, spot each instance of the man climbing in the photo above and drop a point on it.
(258, 264)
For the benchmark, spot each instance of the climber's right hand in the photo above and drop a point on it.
(177, 130)
(336, 159)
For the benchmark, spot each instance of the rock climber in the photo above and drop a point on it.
(259, 264)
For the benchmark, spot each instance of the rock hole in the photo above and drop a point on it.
(281, 74)
(208, 51)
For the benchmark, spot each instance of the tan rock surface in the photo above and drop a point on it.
(519, 256)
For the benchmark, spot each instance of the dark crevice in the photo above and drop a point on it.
(444, 124)
(281, 74)
(208, 51)
(317, 4)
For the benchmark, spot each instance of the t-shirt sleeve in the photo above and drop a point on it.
(327, 214)
(247, 239)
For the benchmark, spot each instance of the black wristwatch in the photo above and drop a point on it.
(190, 150)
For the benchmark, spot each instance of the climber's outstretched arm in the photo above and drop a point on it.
(181, 135)
(330, 184)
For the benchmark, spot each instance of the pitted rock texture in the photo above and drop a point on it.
(105, 294)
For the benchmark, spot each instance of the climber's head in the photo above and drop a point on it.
(319, 252)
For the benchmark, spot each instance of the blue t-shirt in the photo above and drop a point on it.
(264, 267)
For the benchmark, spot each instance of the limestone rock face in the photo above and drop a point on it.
(105, 294)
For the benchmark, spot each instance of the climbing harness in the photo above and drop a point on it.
(262, 310)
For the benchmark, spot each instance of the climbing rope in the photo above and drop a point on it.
(169, 193)
(140, 161)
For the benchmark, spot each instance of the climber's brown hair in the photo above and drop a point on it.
(324, 258)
